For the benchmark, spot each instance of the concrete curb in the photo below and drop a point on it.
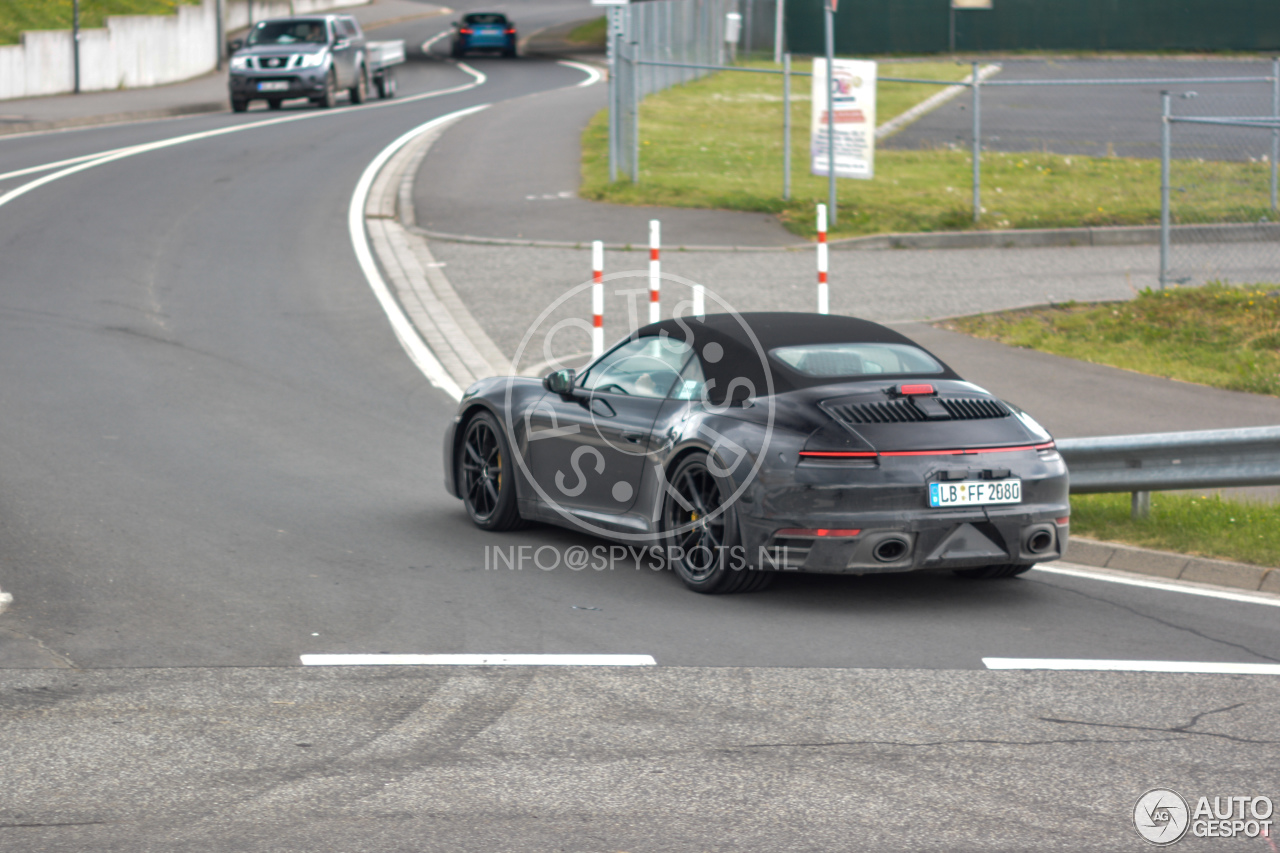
(114, 118)
(1128, 558)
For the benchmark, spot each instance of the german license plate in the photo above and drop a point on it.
(273, 86)
(975, 493)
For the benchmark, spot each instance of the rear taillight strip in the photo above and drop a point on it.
(840, 454)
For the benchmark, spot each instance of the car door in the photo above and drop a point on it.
(344, 51)
(588, 451)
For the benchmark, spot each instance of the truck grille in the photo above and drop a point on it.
(902, 411)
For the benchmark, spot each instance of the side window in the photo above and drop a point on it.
(353, 27)
(692, 381)
(647, 367)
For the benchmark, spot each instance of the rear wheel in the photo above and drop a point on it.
(700, 533)
(486, 476)
(386, 84)
(993, 572)
(239, 105)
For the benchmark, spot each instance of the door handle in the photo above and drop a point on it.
(633, 437)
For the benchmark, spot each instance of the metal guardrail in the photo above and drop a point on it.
(1141, 464)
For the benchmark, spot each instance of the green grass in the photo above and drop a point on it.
(19, 15)
(592, 33)
(1219, 335)
(1204, 525)
(717, 143)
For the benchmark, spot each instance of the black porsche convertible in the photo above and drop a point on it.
(743, 445)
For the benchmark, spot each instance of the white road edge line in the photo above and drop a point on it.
(477, 660)
(89, 161)
(1166, 586)
(1133, 666)
(426, 45)
(593, 74)
(419, 353)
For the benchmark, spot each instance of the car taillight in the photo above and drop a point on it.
(511, 31)
(817, 533)
(912, 390)
(1062, 522)
(466, 31)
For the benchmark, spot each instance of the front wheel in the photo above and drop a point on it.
(986, 573)
(330, 97)
(239, 105)
(700, 533)
(360, 91)
(486, 475)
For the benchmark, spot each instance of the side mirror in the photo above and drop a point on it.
(560, 382)
(457, 24)
(235, 44)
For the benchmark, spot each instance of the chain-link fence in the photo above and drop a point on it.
(1218, 191)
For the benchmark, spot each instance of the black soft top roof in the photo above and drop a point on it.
(744, 338)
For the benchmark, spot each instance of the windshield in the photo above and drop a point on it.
(288, 32)
(831, 360)
(485, 18)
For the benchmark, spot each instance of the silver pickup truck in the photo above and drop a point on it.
(315, 57)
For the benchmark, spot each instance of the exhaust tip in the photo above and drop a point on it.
(1040, 541)
(891, 550)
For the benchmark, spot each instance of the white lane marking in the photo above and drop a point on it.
(102, 157)
(426, 45)
(1167, 586)
(593, 74)
(419, 353)
(1133, 666)
(478, 660)
(60, 163)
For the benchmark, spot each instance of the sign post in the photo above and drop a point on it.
(830, 19)
(614, 33)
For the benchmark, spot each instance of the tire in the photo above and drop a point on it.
(274, 103)
(329, 99)
(985, 573)
(238, 105)
(486, 475)
(701, 544)
(457, 52)
(360, 91)
(386, 84)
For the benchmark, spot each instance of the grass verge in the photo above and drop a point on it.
(1219, 335)
(19, 15)
(590, 34)
(1202, 525)
(717, 143)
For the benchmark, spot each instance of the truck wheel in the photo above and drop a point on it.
(238, 105)
(360, 91)
(387, 84)
(330, 96)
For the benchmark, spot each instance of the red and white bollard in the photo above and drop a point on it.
(655, 271)
(597, 299)
(822, 260)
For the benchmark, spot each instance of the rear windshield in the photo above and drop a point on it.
(288, 32)
(824, 360)
(485, 18)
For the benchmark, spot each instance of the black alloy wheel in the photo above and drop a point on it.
(486, 475)
(700, 533)
(986, 573)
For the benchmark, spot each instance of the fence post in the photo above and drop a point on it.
(611, 45)
(977, 143)
(830, 101)
(75, 44)
(786, 124)
(779, 27)
(1166, 104)
(1275, 131)
(1139, 505)
(635, 95)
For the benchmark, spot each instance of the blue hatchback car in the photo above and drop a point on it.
(484, 31)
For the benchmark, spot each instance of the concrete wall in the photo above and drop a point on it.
(133, 50)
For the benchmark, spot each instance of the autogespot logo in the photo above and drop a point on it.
(600, 463)
(1161, 816)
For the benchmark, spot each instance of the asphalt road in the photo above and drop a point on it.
(215, 457)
